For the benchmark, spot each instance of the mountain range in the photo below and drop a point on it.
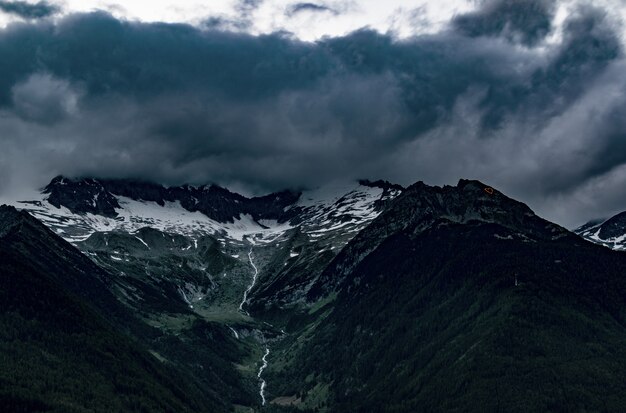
(360, 297)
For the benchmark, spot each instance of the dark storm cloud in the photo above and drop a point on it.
(486, 98)
(141, 61)
(29, 10)
(530, 20)
(309, 7)
(589, 45)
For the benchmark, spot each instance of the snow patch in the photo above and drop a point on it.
(143, 242)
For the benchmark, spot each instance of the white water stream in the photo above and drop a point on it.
(263, 384)
(254, 277)
(267, 350)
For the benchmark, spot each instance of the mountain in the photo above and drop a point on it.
(608, 232)
(65, 340)
(176, 267)
(172, 246)
(358, 297)
(460, 299)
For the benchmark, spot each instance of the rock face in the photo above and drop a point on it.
(423, 207)
(81, 196)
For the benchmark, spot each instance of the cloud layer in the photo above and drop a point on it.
(27, 10)
(493, 97)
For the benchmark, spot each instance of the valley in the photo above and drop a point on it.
(175, 268)
(322, 304)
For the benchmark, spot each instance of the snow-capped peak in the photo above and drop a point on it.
(75, 209)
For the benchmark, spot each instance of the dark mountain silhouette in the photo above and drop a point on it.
(459, 299)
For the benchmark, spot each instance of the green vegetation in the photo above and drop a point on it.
(67, 345)
(58, 354)
(434, 322)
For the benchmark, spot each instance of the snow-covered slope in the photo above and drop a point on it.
(608, 232)
(341, 210)
(190, 245)
(344, 209)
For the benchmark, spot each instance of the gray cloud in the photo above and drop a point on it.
(92, 95)
(309, 7)
(29, 10)
(528, 20)
(44, 99)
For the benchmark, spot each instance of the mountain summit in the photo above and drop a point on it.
(422, 208)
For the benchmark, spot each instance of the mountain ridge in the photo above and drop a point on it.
(443, 305)
(422, 206)
(98, 196)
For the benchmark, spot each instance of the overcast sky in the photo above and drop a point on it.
(309, 20)
(261, 95)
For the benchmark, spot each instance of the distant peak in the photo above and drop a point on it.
(81, 195)
(59, 180)
(380, 184)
